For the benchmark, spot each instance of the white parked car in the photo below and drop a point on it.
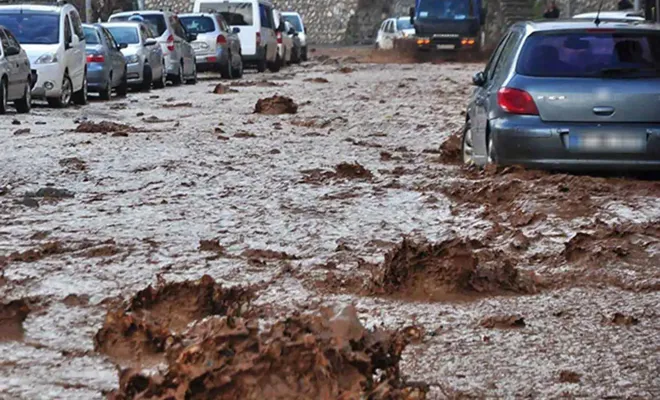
(296, 21)
(394, 28)
(613, 16)
(53, 38)
(255, 20)
(15, 74)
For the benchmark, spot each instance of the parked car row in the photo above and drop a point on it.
(48, 53)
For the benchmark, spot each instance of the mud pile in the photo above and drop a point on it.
(223, 89)
(154, 317)
(12, 315)
(104, 127)
(302, 357)
(276, 105)
(342, 171)
(450, 149)
(453, 269)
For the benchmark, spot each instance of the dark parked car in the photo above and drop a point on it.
(106, 66)
(569, 95)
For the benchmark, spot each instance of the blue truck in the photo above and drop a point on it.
(446, 25)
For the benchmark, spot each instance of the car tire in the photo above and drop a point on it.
(262, 64)
(193, 79)
(303, 55)
(492, 154)
(147, 77)
(467, 144)
(237, 73)
(160, 83)
(106, 92)
(276, 65)
(122, 89)
(3, 96)
(178, 78)
(226, 71)
(24, 104)
(65, 94)
(80, 97)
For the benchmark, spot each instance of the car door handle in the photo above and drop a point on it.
(604, 111)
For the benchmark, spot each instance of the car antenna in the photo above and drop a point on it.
(597, 20)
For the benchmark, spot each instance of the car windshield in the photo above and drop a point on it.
(591, 54)
(198, 24)
(32, 27)
(445, 9)
(294, 20)
(124, 34)
(91, 37)
(403, 23)
(236, 14)
(155, 21)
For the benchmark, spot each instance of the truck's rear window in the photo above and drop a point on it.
(591, 54)
(236, 14)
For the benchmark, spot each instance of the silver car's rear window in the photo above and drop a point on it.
(597, 53)
(156, 22)
(236, 14)
(198, 24)
(124, 34)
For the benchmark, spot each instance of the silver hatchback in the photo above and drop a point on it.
(569, 95)
(16, 77)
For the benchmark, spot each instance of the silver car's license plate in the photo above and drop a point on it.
(607, 142)
(445, 46)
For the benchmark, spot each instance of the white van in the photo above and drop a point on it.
(53, 38)
(256, 25)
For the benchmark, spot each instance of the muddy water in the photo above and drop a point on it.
(311, 209)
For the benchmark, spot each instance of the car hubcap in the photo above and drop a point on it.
(468, 150)
(66, 92)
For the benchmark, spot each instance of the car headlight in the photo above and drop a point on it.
(47, 58)
(405, 35)
(132, 59)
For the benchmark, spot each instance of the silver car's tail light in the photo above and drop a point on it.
(516, 101)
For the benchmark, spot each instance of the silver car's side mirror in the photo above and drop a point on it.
(479, 79)
(150, 42)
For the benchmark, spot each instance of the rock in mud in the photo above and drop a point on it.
(346, 70)
(503, 322)
(51, 193)
(450, 149)
(620, 319)
(212, 245)
(22, 132)
(451, 269)
(12, 315)
(317, 80)
(276, 105)
(352, 171)
(262, 83)
(152, 320)
(103, 127)
(223, 89)
(566, 376)
(73, 164)
(302, 357)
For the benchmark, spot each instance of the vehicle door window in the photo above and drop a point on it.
(383, 25)
(391, 28)
(144, 32)
(177, 28)
(506, 56)
(222, 23)
(490, 67)
(109, 39)
(68, 36)
(266, 16)
(77, 25)
(5, 42)
(12, 40)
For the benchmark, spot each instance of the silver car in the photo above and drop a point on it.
(173, 40)
(217, 46)
(569, 95)
(144, 57)
(16, 79)
(296, 21)
(106, 67)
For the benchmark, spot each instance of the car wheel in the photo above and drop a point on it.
(24, 104)
(226, 69)
(147, 77)
(159, 84)
(65, 94)
(106, 92)
(193, 80)
(276, 65)
(467, 147)
(122, 89)
(303, 56)
(3, 96)
(178, 78)
(237, 73)
(80, 97)
(261, 64)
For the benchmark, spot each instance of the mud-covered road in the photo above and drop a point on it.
(513, 283)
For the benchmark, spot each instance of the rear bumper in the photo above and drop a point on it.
(528, 141)
(96, 76)
(446, 44)
(212, 60)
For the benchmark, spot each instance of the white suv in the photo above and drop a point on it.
(53, 38)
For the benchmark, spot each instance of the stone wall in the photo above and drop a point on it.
(357, 21)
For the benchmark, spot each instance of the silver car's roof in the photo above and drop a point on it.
(582, 24)
(198, 14)
(146, 12)
(637, 15)
(125, 24)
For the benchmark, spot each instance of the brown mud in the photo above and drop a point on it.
(276, 105)
(12, 315)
